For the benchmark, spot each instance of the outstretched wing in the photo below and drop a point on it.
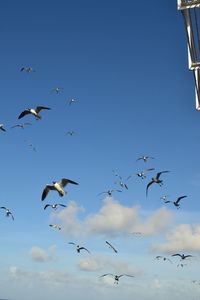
(148, 185)
(148, 170)
(24, 113)
(179, 198)
(158, 174)
(71, 243)
(107, 275)
(39, 108)
(46, 190)
(65, 181)
(177, 254)
(188, 256)
(125, 275)
(61, 205)
(3, 207)
(111, 246)
(46, 206)
(83, 248)
(130, 176)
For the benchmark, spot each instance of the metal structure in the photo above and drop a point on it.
(190, 10)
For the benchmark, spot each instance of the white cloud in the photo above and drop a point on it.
(100, 263)
(184, 237)
(113, 219)
(40, 255)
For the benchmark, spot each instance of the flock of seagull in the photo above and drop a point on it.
(59, 186)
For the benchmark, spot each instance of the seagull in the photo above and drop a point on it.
(8, 212)
(140, 174)
(70, 132)
(116, 277)
(57, 186)
(182, 256)
(55, 226)
(54, 206)
(176, 203)
(110, 246)
(155, 180)
(57, 89)
(72, 101)
(33, 111)
(109, 192)
(164, 198)
(28, 69)
(164, 258)
(144, 158)
(2, 128)
(117, 174)
(21, 125)
(122, 184)
(78, 248)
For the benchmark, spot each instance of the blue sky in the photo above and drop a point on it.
(126, 64)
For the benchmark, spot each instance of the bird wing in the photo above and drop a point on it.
(168, 201)
(148, 185)
(188, 256)
(111, 247)
(102, 193)
(177, 254)
(130, 176)
(61, 205)
(46, 190)
(3, 207)
(148, 170)
(2, 128)
(126, 186)
(117, 190)
(83, 248)
(72, 243)
(27, 124)
(107, 274)
(25, 112)
(158, 174)
(46, 206)
(65, 181)
(39, 108)
(12, 216)
(179, 198)
(125, 275)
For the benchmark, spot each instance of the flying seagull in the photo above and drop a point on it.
(72, 101)
(21, 125)
(155, 180)
(144, 158)
(2, 128)
(57, 186)
(176, 203)
(8, 212)
(78, 248)
(111, 246)
(33, 111)
(27, 69)
(70, 132)
(163, 258)
(54, 206)
(57, 90)
(122, 184)
(109, 192)
(182, 256)
(116, 277)
(140, 174)
(55, 226)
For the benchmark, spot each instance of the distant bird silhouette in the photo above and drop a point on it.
(57, 186)
(140, 174)
(27, 69)
(2, 128)
(122, 184)
(181, 265)
(70, 132)
(116, 277)
(33, 111)
(57, 90)
(182, 256)
(163, 258)
(8, 212)
(155, 180)
(78, 248)
(176, 203)
(55, 226)
(109, 192)
(145, 158)
(136, 233)
(111, 246)
(21, 125)
(54, 206)
(72, 101)
(164, 198)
